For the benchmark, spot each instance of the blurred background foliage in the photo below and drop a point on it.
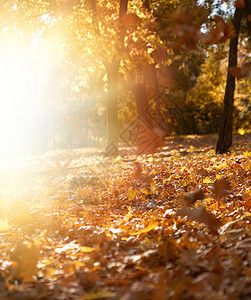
(83, 36)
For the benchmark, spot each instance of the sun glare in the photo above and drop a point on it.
(22, 80)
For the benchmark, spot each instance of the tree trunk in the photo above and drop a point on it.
(122, 8)
(224, 142)
(247, 10)
(142, 103)
(112, 69)
(112, 107)
(157, 97)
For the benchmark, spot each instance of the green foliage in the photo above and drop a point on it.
(203, 103)
(242, 113)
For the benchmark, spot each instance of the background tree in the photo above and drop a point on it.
(137, 50)
(224, 142)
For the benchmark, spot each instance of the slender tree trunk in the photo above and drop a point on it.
(112, 69)
(224, 142)
(157, 97)
(112, 107)
(247, 10)
(123, 7)
(142, 103)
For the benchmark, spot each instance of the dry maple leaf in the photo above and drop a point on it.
(220, 33)
(247, 200)
(192, 197)
(130, 19)
(184, 25)
(165, 77)
(137, 170)
(139, 176)
(221, 187)
(159, 54)
(148, 140)
(241, 72)
(201, 215)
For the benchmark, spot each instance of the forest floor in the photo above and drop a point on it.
(173, 225)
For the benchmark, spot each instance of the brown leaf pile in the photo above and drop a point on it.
(169, 225)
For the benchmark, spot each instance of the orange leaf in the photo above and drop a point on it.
(137, 274)
(130, 19)
(241, 72)
(148, 140)
(247, 198)
(148, 228)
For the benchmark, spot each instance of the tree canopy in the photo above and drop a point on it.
(145, 56)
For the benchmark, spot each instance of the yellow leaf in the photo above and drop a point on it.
(50, 271)
(86, 249)
(148, 228)
(101, 294)
(183, 169)
(241, 131)
(153, 187)
(208, 180)
(222, 165)
(4, 226)
(218, 176)
(145, 191)
(246, 153)
(150, 159)
(131, 194)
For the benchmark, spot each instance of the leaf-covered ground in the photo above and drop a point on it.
(173, 225)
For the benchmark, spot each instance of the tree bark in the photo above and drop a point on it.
(157, 97)
(146, 5)
(142, 103)
(112, 107)
(112, 69)
(224, 142)
(247, 10)
(123, 8)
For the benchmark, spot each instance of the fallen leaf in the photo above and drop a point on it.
(137, 274)
(247, 200)
(221, 187)
(101, 294)
(148, 228)
(241, 131)
(192, 197)
(208, 180)
(201, 215)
